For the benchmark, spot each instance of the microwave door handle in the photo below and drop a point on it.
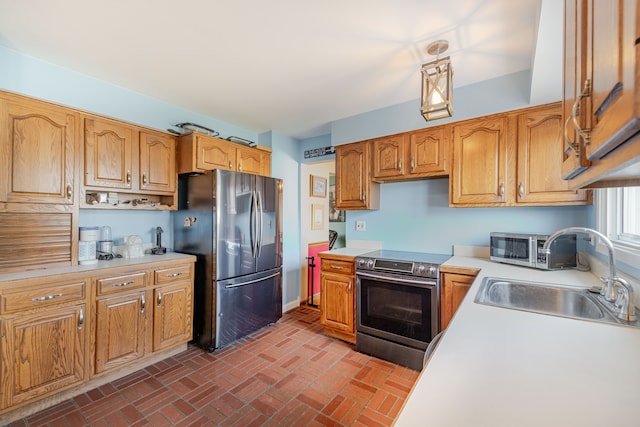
(533, 251)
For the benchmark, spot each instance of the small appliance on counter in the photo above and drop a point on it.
(133, 247)
(159, 249)
(87, 245)
(525, 249)
(105, 246)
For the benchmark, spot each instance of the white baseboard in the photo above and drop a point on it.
(291, 305)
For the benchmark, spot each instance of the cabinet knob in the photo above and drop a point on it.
(521, 190)
(69, 192)
(240, 166)
(81, 319)
(144, 178)
(230, 164)
(413, 164)
(159, 300)
(143, 303)
(502, 190)
(128, 177)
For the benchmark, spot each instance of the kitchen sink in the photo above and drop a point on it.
(575, 303)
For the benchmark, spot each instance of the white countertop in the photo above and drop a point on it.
(116, 262)
(499, 367)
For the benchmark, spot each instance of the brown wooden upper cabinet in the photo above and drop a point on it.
(354, 188)
(123, 157)
(37, 151)
(601, 108)
(410, 155)
(199, 153)
(512, 159)
(479, 171)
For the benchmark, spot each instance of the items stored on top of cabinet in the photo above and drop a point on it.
(601, 108)
(199, 153)
(138, 164)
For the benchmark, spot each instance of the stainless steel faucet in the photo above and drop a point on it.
(625, 302)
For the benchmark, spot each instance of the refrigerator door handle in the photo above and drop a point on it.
(251, 282)
(254, 224)
(260, 224)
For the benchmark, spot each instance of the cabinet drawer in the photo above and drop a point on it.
(335, 266)
(109, 285)
(53, 294)
(172, 274)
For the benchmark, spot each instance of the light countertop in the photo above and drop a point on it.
(116, 262)
(499, 367)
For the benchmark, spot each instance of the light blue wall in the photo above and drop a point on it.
(284, 165)
(505, 93)
(415, 216)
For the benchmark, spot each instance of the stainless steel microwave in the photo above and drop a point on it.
(525, 249)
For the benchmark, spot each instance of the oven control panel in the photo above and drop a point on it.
(408, 268)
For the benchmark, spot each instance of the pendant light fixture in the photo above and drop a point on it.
(437, 90)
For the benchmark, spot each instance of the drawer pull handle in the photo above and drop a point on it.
(336, 267)
(81, 319)
(174, 275)
(46, 297)
(130, 282)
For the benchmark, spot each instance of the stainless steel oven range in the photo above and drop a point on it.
(397, 304)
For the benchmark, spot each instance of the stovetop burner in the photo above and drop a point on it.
(402, 262)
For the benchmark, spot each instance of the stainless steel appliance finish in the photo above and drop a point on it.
(231, 222)
(397, 304)
(526, 250)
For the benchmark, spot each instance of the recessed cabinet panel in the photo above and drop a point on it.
(388, 157)
(539, 173)
(479, 155)
(39, 140)
(108, 154)
(157, 162)
(427, 151)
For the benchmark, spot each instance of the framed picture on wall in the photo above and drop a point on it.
(317, 216)
(318, 186)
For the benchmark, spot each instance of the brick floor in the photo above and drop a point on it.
(287, 374)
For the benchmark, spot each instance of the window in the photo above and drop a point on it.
(618, 217)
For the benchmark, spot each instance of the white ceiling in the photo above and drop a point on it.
(290, 66)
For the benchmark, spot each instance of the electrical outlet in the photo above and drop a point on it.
(361, 226)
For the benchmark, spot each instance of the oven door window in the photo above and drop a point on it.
(397, 309)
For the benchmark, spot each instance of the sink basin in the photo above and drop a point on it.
(539, 298)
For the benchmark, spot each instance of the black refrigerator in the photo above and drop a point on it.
(232, 223)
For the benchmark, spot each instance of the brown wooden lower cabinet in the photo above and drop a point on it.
(454, 287)
(337, 296)
(64, 334)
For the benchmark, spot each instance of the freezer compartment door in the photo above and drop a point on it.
(246, 304)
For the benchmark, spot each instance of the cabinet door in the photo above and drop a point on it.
(539, 178)
(172, 315)
(337, 302)
(37, 152)
(479, 174)
(613, 41)
(353, 187)
(426, 151)
(454, 289)
(249, 160)
(108, 149)
(157, 162)
(42, 352)
(573, 154)
(120, 330)
(213, 153)
(388, 157)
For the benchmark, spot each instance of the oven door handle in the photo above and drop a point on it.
(414, 282)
